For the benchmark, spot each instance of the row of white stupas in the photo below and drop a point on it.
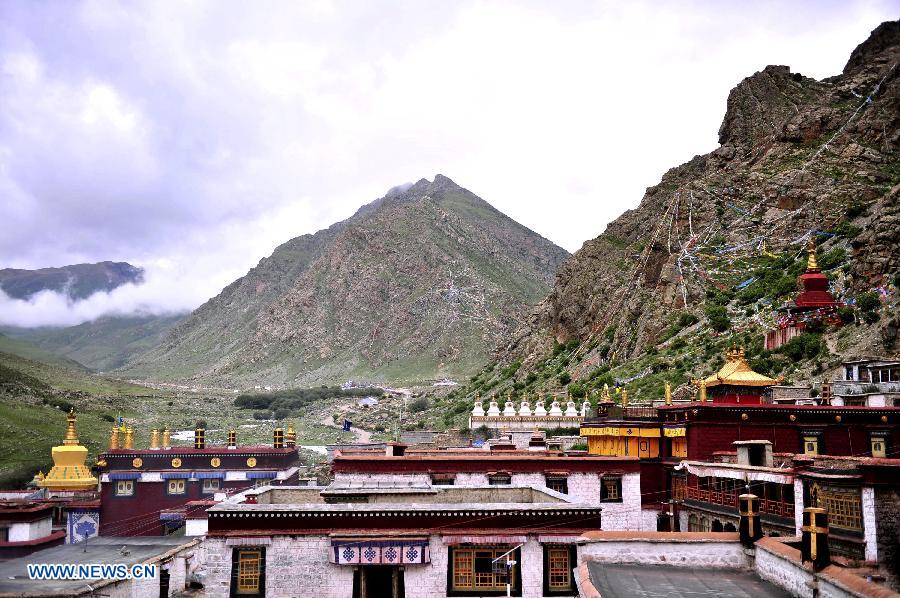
(524, 410)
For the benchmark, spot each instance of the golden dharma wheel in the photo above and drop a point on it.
(215, 461)
(793, 417)
(137, 462)
(884, 419)
(176, 462)
(251, 461)
(837, 418)
(744, 416)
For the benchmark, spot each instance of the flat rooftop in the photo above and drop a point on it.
(14, 579)
(652, 581)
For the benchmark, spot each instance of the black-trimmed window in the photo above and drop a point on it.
(248, 571)
(443, 479)
(124, 488)
(611, 489)
(812, 443)
(471, 571)
(557, 483)
(211, 485)
(878, 442)
(559, 575)
(176, 487)
(499, 479)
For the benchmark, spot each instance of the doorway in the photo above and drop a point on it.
(378, 581)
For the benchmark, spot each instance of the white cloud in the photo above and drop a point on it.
(205, 134)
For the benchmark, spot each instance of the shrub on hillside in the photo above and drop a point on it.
(718, 318)
(804, 346)
(419, 405)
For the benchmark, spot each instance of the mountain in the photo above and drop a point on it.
(713, 248)
(103, 344)
(417, 284)
(77, 281)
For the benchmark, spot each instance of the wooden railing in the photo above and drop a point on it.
(730, 499)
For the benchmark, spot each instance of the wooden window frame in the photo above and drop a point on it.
(205, 490)
(499, 479)
(557, 480)
(169, 484)
(472, 590)
(604, 489)
(237, 552)
(572, 559)
(125, 483)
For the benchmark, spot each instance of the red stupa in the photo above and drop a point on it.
(813, 303)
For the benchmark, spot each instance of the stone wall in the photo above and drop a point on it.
(298, 566)
(887, 516)
(722, 550)
(625, 515)
(780, 564)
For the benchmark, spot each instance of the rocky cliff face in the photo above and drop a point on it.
(798, 158)
(417, 284)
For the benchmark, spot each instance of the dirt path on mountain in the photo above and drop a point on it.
(362, 436)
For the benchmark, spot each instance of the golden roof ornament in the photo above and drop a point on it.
(624, 398)
(668, 394)
(703, 391)
(154, 438)
(114, 438)
(811, 264)
(165, 437)
(129, 438)
(71, 438)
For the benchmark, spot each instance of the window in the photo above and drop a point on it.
(438, 479)
(474, 572)
(124, 487)
(248, 571)
(558, 483)
(210, 486)
(849, 373)
(4, 534)
(844, 507)
(811, 445)
(611, 489)
(559, 561)
(879, 444)
(499, 479)
(176, 487)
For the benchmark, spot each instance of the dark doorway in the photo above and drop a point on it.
(164, 581)
(716, 525)
(378, 581)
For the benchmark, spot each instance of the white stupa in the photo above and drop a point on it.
(525, 409)
(585, 408)
(478, 410)
(539, 410)
(571, 410)
(555, 411)
(493, 410)
(509, 409)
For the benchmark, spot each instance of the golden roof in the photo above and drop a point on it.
(737, 372)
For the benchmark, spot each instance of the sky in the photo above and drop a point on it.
(192, 138)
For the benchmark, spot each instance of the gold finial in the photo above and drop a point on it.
(703, 391)
(741, 354)
(129, 437)
(232, 437)
(811, 260)
(165, 438)
(291, 435)
(71, 438)
(605, 393)
(624, 398)
(114, 438)
(154, 438)
(668, 394)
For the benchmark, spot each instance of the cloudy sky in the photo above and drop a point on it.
(191, 138)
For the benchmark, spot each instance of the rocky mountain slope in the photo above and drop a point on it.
(715, 246)
(417, 284)
(77, 281)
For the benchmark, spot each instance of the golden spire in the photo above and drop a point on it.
(703, 391)
(71, 438)
(165, 437)
(129, 438)
(154, 438)
(624, 398)
(811, 250)
(668, 394)
(114, 438)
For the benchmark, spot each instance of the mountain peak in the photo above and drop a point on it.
(882, 37)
